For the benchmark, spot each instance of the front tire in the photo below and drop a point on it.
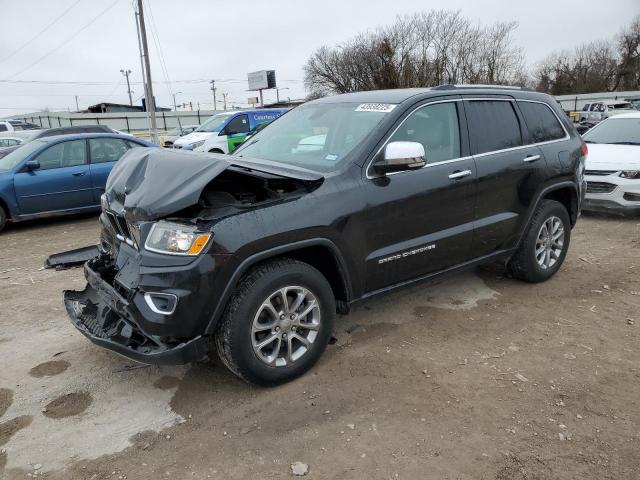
(545, 244)
(277, 322)
(3, 218)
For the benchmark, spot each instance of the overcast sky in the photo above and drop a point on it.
(223, 40)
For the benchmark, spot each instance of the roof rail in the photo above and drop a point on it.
(450, 86)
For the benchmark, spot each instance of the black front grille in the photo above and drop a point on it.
(599, 173)
(121, 228)
(600, 187)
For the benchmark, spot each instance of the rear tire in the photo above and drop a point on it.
(277, 323)
(3, 218)
(545, 244)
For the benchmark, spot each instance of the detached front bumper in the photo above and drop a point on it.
(108, 319)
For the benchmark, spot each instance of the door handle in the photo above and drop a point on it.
(78, 174)
(460, 174)
(531, 158)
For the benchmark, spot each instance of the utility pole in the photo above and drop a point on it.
(213, 89)
(77, 108)
(224, 98)
(174, 101)
(278, 93)
(126, 73)
(191, 106)
(149, 84)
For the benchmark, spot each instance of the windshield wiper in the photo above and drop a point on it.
(589, 141)
(625, 143)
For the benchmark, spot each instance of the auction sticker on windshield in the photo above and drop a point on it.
(375, 107)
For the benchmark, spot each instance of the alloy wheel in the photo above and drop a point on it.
(549, 242)
(285, 326)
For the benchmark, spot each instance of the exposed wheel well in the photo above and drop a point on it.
(566, 196)
(215, 150)
(322, 258)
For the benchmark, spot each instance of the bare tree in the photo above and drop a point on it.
(420, 50)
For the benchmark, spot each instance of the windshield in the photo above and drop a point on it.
(214, 123)
(625, 131)
(19, 154)
(175, 132)
(315, 136)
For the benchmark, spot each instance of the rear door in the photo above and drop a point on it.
(509, 172)
(61, 183)
(104, 152)
(419, 222)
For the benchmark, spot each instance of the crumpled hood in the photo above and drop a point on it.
(147, 184)
(151, 183)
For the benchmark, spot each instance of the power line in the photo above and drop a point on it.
(90, 82)
(37, 35)
(67, 40)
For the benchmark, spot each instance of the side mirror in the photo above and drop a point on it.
(399, 157)
(32, 165)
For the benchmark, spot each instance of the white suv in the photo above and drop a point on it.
(613, 165)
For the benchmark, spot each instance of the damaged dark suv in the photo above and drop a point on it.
(252, 255)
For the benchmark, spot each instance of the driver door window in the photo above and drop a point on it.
(239, 124)
(436, 127)
(64, 154)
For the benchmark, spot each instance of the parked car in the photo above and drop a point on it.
(58, 175)
(172, 135)
(613, 166)
(10, 141)
(251, 255)
(598, 111)
(223, 132)
(16, 125)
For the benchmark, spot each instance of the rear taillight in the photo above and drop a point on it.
(584, 150)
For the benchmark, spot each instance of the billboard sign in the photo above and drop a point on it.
(262, 80)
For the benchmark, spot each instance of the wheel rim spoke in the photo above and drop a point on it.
(549, 243)
(285, 326)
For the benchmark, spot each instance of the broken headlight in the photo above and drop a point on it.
(176, 239)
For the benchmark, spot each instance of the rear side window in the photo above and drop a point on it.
(493, 125)
(542, 124)
(3, 128)
(106, 149)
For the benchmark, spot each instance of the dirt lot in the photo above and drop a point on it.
(477, 377)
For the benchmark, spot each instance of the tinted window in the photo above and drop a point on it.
(434, 126)
(586, 107)
(493, 125)
(240, 124)
(64, 154)
(541, 123)
(3, 127)
(106, 149)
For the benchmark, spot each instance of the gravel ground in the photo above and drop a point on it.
(476, 377)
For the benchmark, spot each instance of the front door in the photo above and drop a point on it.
(420, 222)
(62, 182)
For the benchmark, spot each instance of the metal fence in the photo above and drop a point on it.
(130, 122)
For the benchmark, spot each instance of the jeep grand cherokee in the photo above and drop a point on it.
(252, 255)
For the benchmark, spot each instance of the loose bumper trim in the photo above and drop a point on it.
(101, 314)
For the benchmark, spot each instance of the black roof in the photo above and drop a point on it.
(400, 95)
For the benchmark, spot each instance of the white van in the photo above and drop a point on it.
(196, 138)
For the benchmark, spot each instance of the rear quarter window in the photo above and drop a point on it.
(542, 124)
(493, 125)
